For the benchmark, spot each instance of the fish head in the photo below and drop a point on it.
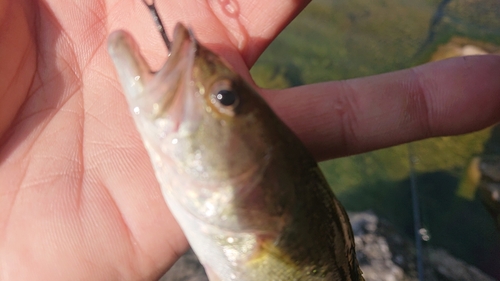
(206, 129)
(207, 116)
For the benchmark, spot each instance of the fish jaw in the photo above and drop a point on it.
(164, 98)
(133, 70)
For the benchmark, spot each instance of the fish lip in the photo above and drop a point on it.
(171, 83)
(182, 34)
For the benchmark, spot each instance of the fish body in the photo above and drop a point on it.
(248, 195)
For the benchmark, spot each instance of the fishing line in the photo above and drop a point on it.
(416, 213)
(158, 23)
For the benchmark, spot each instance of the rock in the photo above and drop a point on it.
(187, 268)
(447, 267)
(373, 250)
(461, 46)
(383, 254)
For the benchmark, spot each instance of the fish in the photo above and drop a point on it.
(247, 193)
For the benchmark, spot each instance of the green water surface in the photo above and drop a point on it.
(342, 39)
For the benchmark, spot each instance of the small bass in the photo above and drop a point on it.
(248, 195)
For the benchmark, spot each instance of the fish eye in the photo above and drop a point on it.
(224, 97)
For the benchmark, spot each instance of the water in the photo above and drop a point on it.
(342, 39)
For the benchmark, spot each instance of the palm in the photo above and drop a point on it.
(78, 196)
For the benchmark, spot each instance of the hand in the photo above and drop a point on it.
(78, 198)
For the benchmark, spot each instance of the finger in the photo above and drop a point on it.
(231, 28)
(249, 26)
(451, 97)
(253, 25)
(197, 15)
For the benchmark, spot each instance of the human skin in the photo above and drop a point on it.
(78, 197)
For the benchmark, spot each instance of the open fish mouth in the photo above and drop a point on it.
(172, 84)
(167, 93)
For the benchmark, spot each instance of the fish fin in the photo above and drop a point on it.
(267, 249)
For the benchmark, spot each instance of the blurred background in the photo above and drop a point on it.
(342, 39)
